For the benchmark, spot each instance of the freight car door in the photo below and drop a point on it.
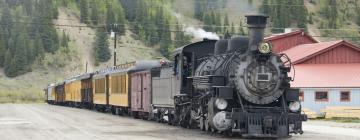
(139, 91)
(146, 92)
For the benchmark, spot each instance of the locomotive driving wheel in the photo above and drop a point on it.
(202, 124)
(207, 125)
(201, 119)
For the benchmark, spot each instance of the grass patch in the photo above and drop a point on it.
(21, 97)
(341, 120)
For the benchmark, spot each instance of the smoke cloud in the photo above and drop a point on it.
(199, 33)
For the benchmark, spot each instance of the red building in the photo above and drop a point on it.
(282, 42)
(327, 73)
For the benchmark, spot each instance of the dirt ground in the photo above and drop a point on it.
(43, 122)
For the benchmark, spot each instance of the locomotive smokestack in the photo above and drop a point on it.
(256, 25)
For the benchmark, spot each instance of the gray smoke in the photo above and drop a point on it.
(199, 33)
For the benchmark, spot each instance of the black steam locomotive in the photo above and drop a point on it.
(236, 86)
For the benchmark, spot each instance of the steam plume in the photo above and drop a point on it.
(199, 33)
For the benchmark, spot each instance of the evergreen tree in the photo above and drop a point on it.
(9, 65)
(207, 22)
(217, 22)
(94, 13)
(180, 38)
(39, 48)
(2, 49)
(333, 15)
(102, 51)
(28, 6)
(241, 29)
(84, 11)
(6, 19)
(226, 23)
(121, 21)
(20, 57)
(165, 41)
(110, 18)
(29, 49)
(64, 40)
(311, 19)
(199, 9)
(212, 21)
(55, 12)
(49, 38)
(232, 29)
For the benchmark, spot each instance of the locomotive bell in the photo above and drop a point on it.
(256, 25)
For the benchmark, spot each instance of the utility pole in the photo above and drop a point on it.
(115, 49)
(114, 31)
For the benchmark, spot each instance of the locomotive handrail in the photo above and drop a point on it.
(288, 60)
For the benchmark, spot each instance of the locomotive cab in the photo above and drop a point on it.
(186, 59)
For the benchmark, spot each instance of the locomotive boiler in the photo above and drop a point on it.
(242, 88)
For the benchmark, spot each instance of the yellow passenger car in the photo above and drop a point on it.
(73, 92)
(119, 91)
(99, 82)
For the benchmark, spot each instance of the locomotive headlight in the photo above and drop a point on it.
(264, 48)
(220, 103)
(294, 106)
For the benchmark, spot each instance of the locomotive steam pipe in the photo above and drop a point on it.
(256, 25)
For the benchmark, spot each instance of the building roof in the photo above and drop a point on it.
(326, 76)
(304, 52)
(293, 33)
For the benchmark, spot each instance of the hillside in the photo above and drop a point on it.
(70, 61)
(63, 36)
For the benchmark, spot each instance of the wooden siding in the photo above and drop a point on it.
(284, 43)
(141, 91)
(73, 91)
(99, 96)
(333, 99)
(118, 90)
(341, 54)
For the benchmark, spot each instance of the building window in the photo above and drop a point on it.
(321, 96)
(344, 96)
(301, 96)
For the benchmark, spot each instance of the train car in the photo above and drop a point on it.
(118, 90)
(99, 84)
(140, 77)
(60, 93)
(73, 92)
(162, 101)
(50, 94)
(86, 90)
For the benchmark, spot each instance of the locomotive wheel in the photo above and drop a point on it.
(229, 133)
(202, 124)
(207, 126)
(113, 110)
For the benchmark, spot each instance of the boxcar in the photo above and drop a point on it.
(141, 87)
(100, 96)
(141, 93)
(118, 90)
(60, 94)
